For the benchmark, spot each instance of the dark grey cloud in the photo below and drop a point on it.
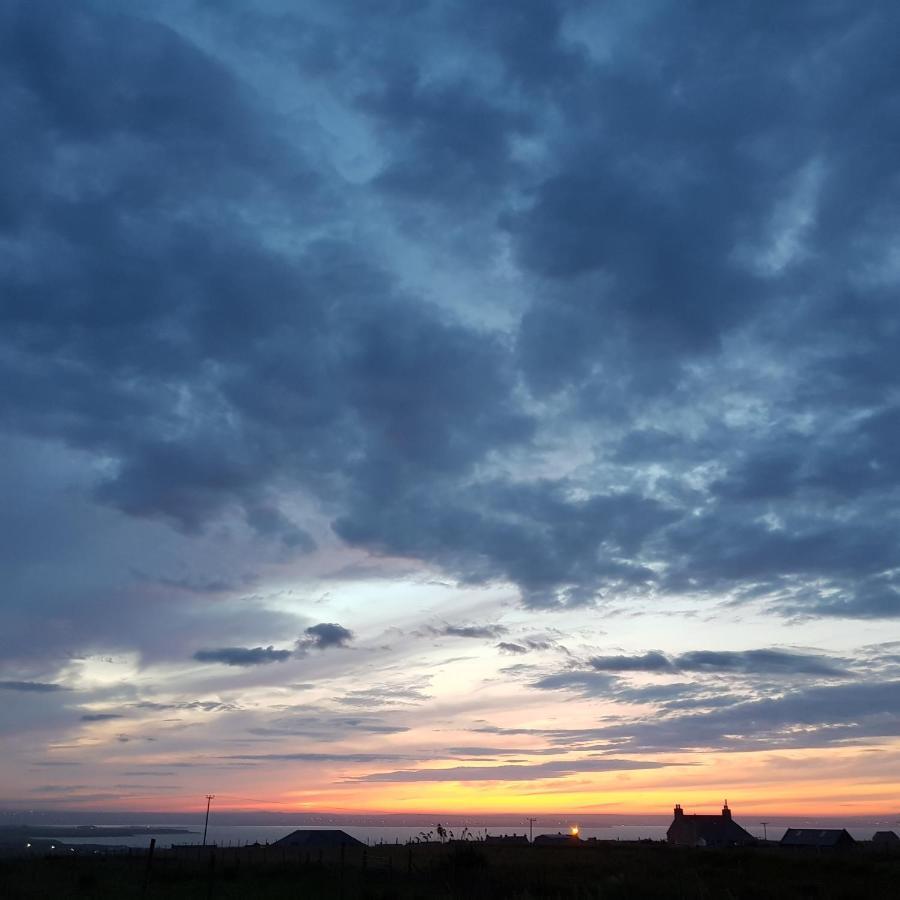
(574, 680)
(752, 667)
(809, 717)
(677, 694)
(693, 717)
(470, 631)
(448, 140)
(502, 751)
(202, 705)
(325, 635)
(876, 597)
(510, 647)
(243, 656)
(384, 696)
(763, 662)
(201, 585)
(751, 662)
(101, 717)
(653, 661)
(318, 757)
(324, 725)
(40, 687)
(525, 645)
(230, 367)
(557, 550)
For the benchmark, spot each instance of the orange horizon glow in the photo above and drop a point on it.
(414, 778)
(828, 802)
(849, 782)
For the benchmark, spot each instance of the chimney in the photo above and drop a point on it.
(678, 810)
(726, 812)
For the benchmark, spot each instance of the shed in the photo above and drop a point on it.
(506, 839)
(316, 838)
(557, 839)
(886, 839)
(823, 838)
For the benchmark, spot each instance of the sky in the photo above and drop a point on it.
(450, 406)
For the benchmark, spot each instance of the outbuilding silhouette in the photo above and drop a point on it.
(821, 838)
(318, 838)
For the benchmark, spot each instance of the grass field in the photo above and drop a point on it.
(611, 871)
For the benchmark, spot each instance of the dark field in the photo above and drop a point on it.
(611, 871)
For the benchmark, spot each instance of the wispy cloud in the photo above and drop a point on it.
(557, 769)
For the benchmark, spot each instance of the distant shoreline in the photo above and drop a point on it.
(19, 832)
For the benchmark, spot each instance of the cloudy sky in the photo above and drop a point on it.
(450, 405)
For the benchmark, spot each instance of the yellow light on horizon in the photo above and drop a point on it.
(574, 831)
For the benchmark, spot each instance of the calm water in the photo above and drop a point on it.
(238, 835)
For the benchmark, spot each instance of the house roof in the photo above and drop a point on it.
(313, 838)
(886, 837)
(816, 837)
(709, 829)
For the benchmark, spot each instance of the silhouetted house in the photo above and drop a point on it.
(707, 831)
(886, 839)
(506, 839)
(555, 840)
(318, 838)
(821, 838)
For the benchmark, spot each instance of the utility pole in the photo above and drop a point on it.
(531, 830)
(765, 833)
(209, 799)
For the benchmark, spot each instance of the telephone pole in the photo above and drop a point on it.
(209, 799)
(765, 833)
(531, 830)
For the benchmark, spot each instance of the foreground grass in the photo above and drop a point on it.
(607, 871)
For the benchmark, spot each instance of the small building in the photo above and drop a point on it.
(819, 838)
(506, 839)
(557, 840)
(707, 831)
(318, 838)
(886, 839)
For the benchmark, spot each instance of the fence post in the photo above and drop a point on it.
(147, 869)
(212, 874)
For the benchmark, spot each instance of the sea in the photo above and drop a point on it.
(240, 835)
